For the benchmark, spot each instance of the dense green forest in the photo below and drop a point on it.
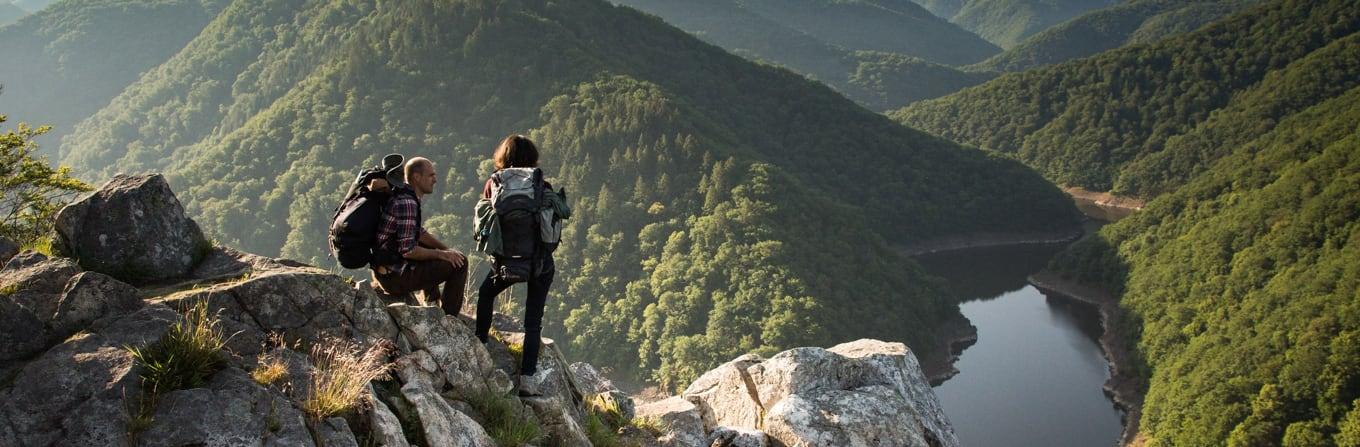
(714, 213)
(1132, 22)
(883, 54)
(1246, 285)
(1101, 122)
(1006, 23)
(67, 61)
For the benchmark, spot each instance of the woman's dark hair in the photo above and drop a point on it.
(516, 151)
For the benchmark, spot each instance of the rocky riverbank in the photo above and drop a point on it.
(1124, 387)
(83, 333)
(1105, 199)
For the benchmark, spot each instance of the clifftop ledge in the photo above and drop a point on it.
(138, 265)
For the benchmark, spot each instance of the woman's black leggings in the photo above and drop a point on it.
(533, 314)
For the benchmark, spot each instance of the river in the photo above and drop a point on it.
(1035, 375)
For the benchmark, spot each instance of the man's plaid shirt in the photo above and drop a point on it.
(400, 229)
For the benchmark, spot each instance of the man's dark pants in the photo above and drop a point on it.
(427, 276)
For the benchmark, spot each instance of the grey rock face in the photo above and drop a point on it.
(231, 411)
(737, 437)
(7, 250)
(91, 296)
(863, 393)
(679, 417)
(557, 400)
(868, 416)
(24, 259)
(95, 230)
(73, 386)
(21, 332)
(591, 380)
(443, 425)
(28, 298)
(385, 428)
(899, 368)
(726, 395)
(335, 432)
(457, 352)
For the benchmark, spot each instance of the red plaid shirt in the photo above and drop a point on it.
(400, 229)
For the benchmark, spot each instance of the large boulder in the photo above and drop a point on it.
(134, 229)
(679, 420)
(863, 393)
(896, 367)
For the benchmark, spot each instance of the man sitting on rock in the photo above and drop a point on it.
(425, 262)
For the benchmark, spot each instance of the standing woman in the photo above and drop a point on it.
(516, 194)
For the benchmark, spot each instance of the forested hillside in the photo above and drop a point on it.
(883, 54)
(66, 62)
(1245, 283)
(714, 210)
(1006, 23)
(1132, 22)
(1103, 122)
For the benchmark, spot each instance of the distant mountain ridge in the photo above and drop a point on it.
(883, 54)
(67, 61)
(1132, 22)
(1006, 23)
(692, 172)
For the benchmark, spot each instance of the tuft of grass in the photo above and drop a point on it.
(185, 356)
(600, 433)
(270, 370)
(203, 248)
(342, 374)
(504, 421)
(78, 335)
(42, 245)
(607, 409)
(649, 424)
(139, 418)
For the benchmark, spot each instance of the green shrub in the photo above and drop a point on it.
(504, 420)
(185, 356)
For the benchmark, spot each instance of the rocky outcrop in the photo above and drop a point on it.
(863, 393)
(680, 420)
(95, 229)
(68, 377)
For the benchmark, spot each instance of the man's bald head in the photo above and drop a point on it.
(420, 175)
(417, 165)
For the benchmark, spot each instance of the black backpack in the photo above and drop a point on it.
(518, 200)
(354, 226)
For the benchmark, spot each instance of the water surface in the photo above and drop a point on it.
(1035, 376)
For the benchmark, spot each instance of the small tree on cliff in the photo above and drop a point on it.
(31, 191)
